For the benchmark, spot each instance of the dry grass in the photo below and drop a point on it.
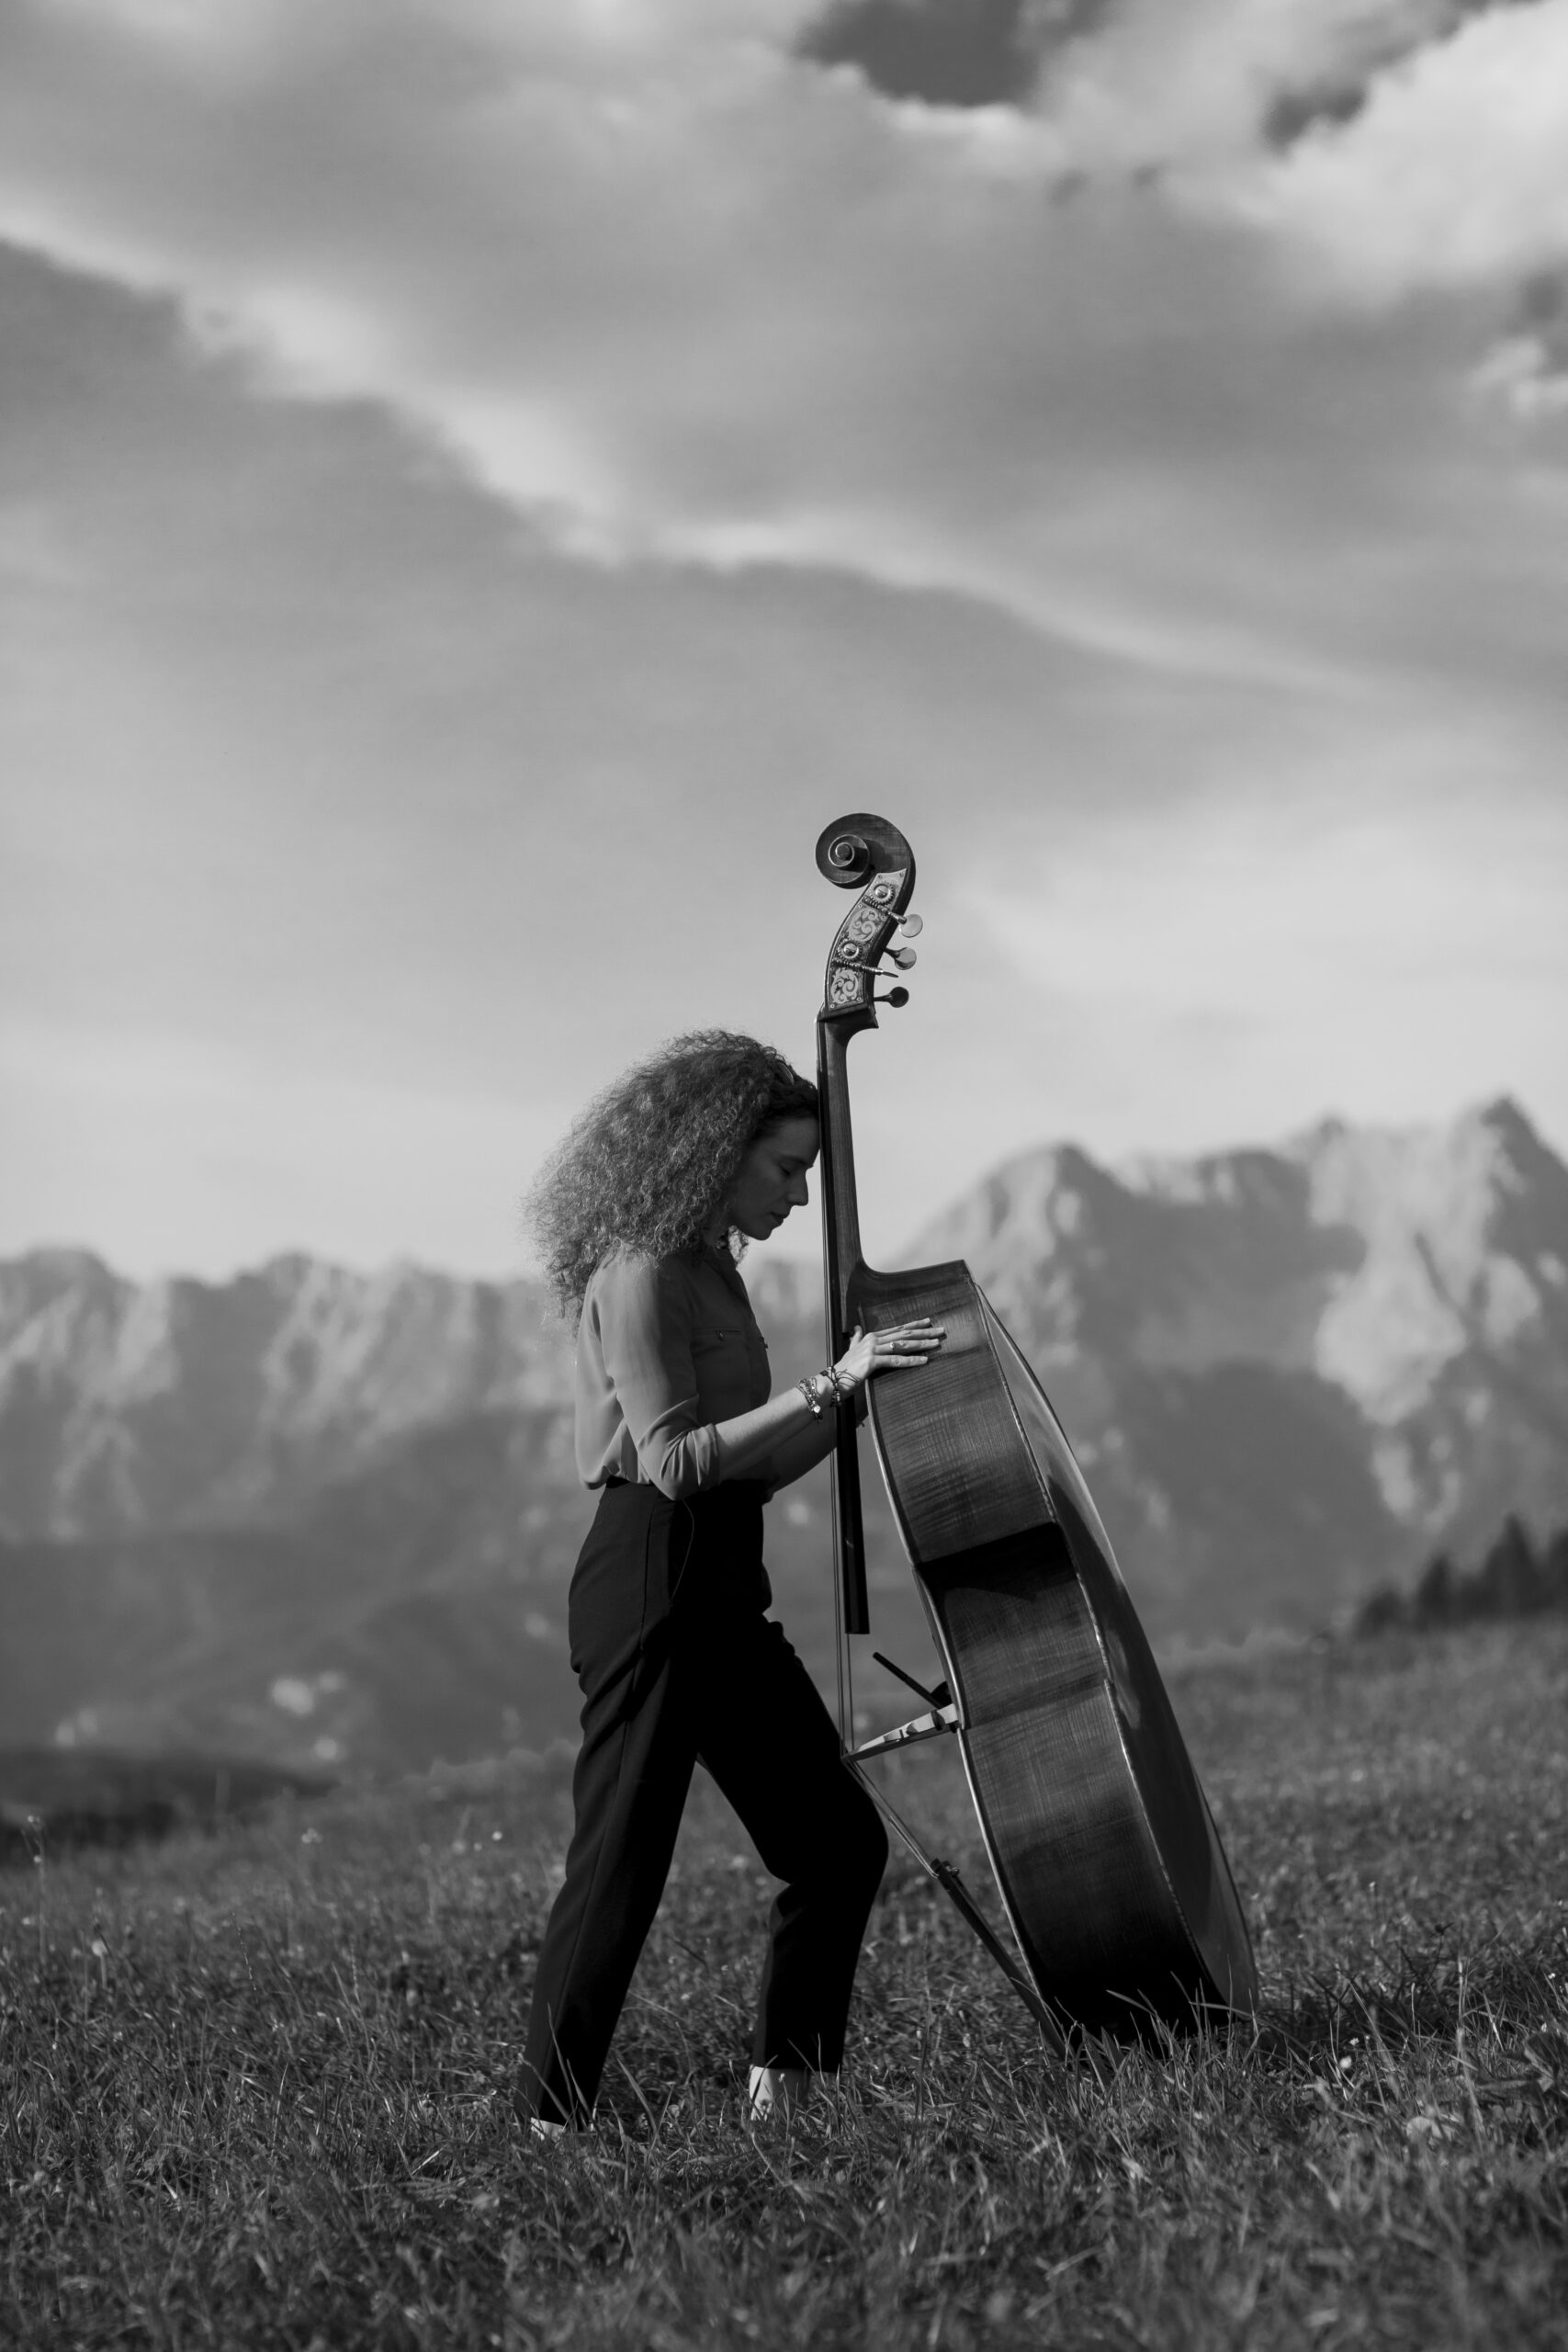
(254, 2086)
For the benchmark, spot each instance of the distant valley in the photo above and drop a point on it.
(326, 1517)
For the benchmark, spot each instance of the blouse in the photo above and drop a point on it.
(666, 1348)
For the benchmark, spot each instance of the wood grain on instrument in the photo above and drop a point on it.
(1097, 1830)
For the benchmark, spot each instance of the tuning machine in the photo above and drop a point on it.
(905, 958)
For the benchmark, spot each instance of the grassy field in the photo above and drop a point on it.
(256, 2084)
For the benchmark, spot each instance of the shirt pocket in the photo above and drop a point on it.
(714, 1342)
(731, 1367)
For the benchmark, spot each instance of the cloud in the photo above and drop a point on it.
(1398, 146)
(1454, 172)
(1527, 375)
(327, 746)
(1200, 83)
(1403, 144)
(674, 293)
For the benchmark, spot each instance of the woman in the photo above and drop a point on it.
(639, 1213)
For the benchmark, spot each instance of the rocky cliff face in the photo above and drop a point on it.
(175, 1403)
(1290, 1374)
(1284, 1368)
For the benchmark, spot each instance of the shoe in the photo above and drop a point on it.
(776, 2094)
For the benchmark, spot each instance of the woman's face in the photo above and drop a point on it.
(773, 1177)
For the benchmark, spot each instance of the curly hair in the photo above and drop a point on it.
(647, 1164)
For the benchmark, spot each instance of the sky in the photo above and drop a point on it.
(482, 484)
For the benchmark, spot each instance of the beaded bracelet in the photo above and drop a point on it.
(808, 1391)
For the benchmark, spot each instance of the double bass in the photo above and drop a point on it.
(1105, 1855)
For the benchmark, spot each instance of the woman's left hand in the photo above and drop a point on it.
(904, 1348)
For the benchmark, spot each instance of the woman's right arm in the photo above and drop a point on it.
(786, 1436)
(643, 1313)
(868, 1355)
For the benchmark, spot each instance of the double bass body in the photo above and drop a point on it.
(1103, 1849)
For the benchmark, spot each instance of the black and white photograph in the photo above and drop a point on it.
(784, 1217)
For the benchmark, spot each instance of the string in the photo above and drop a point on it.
(850, 1727)
(840, 1638)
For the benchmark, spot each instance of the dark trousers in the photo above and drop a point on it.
(677, 1663)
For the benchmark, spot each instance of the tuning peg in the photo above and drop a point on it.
(894, 997)
(904, 957)
(913, 924)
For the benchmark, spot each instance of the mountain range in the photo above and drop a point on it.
(315, 1514)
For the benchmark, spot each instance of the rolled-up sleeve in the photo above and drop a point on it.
(643, 1314)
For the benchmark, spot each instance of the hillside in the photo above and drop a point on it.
(259, 2078)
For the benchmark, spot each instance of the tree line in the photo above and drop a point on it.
(1517, 1578)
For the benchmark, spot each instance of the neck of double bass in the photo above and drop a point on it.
(841, 1259)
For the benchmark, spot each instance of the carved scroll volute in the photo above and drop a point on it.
(867, 854)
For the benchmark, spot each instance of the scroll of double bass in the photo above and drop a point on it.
(1106, 1857)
